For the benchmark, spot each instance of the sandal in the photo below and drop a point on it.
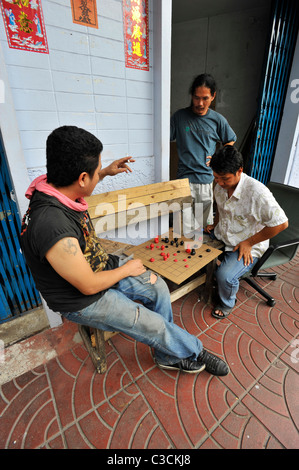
(225, 312)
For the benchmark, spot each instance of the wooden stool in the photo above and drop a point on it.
(94, 341)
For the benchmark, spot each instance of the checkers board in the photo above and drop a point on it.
(176, 264)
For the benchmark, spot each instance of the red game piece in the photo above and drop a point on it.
(162, 247)
(152, 260)
(162, 254)
(184, 259)
(188, 250)
(156, 239)
(175, 260)
(187, 266)
(152, 245)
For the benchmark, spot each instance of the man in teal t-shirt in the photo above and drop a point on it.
(197, 129)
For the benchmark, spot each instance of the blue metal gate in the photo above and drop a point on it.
(17, 290)
(284, 31)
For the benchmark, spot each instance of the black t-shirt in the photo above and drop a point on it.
(45, 223)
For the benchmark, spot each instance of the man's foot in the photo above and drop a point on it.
(221, 312)
(214, 365)
(185, 365)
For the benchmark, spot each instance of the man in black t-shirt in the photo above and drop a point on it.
(78, 278)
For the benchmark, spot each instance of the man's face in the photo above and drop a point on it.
(201, 100)
(228, 181)
(92, 182)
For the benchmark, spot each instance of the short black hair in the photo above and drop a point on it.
(226, 160)
(205, 80)
(71, 151)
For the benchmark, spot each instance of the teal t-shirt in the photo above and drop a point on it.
(196, 138)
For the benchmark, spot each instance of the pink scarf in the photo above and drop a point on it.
(40, 183)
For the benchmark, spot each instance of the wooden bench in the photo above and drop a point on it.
(117, 209)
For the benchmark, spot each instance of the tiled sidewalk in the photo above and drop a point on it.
(63, 403)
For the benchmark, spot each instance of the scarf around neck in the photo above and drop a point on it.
(40, 184)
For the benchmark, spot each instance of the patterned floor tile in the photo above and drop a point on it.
(64, 403)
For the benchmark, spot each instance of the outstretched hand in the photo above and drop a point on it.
(116, 167)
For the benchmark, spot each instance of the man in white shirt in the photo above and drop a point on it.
(247, 217)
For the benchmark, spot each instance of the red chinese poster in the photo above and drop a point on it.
(85, 12)
(135, 13)
(24, 25)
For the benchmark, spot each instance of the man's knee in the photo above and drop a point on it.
(153, 278)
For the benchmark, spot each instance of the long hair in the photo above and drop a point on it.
(205, 80)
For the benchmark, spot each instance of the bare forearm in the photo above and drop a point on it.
(69, 262)
(266, 233)
(103, 280)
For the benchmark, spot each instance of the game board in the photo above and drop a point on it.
(176, 264)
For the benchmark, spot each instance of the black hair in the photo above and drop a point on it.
(70, 152)
(226, 160)
(205, 80)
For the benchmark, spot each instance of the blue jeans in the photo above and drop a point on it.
(150, 322)
(228, 275)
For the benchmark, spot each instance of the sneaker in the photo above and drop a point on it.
(185, 365)
(214, 365)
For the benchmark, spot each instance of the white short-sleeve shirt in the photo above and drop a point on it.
(250, 208)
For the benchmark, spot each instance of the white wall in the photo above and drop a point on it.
(83, 81)
(286, 162)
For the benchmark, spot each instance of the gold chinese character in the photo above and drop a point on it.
(137, 49)
(136, 14)
(137, 32)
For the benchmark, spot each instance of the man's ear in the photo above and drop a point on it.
(214, 96)
(81, 179)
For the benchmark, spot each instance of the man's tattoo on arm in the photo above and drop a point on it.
(69, 246)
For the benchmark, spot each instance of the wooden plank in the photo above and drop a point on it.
(109, 222)
(139, 191)
(173, 203)
(190, 286)
(156, 202)
(132, 198)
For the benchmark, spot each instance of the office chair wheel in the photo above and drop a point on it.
(271, 302)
